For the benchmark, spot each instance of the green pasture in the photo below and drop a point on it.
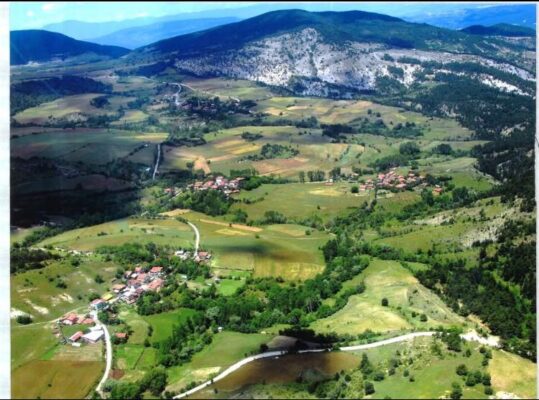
(267, 251)
(163, 323)
(300, 200)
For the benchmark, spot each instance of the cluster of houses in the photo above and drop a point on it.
(134, 283)
(93, 333)
(201, 256)
(220, 183)
(392, 180)
(137, 282)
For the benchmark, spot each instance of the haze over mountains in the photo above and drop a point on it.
(134, 37)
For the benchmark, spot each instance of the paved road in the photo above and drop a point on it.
(269, 354)
(108, 366)
(157, 161)
(197, 236)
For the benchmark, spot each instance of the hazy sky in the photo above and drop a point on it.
(25, 15)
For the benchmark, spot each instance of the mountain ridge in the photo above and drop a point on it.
(41, 46)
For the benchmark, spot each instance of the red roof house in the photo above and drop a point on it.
(76, 336)
(156, 270)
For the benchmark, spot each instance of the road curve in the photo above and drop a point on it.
(197, 236)
(108, 347)
(270, 354)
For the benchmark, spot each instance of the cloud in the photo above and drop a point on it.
(30, 13)
(47, 7)
(142, 14)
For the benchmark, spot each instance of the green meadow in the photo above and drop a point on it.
(407, 300)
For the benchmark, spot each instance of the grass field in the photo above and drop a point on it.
(141, 230)
(267, 251)
(387, 279)
(30, 342)
(163, 323)
(228, 88)
(227, 287)
(230, 346)
(297, 200)
(55, 379)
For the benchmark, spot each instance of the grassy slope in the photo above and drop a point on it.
(141, 230)
(387, 279)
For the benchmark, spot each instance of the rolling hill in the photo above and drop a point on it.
(41, 46)
(320, 53)
(500, 30)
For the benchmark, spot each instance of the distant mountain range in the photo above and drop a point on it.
(514, 14)
(134, 37)
(42, 46)
(452, 16)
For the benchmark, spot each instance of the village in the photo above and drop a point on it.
(220, 183)
(126, 290)
(392, 180)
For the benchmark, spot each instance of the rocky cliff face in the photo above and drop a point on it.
(307, 63)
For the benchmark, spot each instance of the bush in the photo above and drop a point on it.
(379, 376)
(385, 302)
(369, 388)
(24, 319)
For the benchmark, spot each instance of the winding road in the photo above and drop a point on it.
(270, 354)
(108, 366)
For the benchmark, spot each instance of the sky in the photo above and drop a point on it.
(28, 15)
(25, 15)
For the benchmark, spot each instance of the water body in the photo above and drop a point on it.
(285, 369)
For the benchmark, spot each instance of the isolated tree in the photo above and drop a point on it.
(462, 370)
(385, 302)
